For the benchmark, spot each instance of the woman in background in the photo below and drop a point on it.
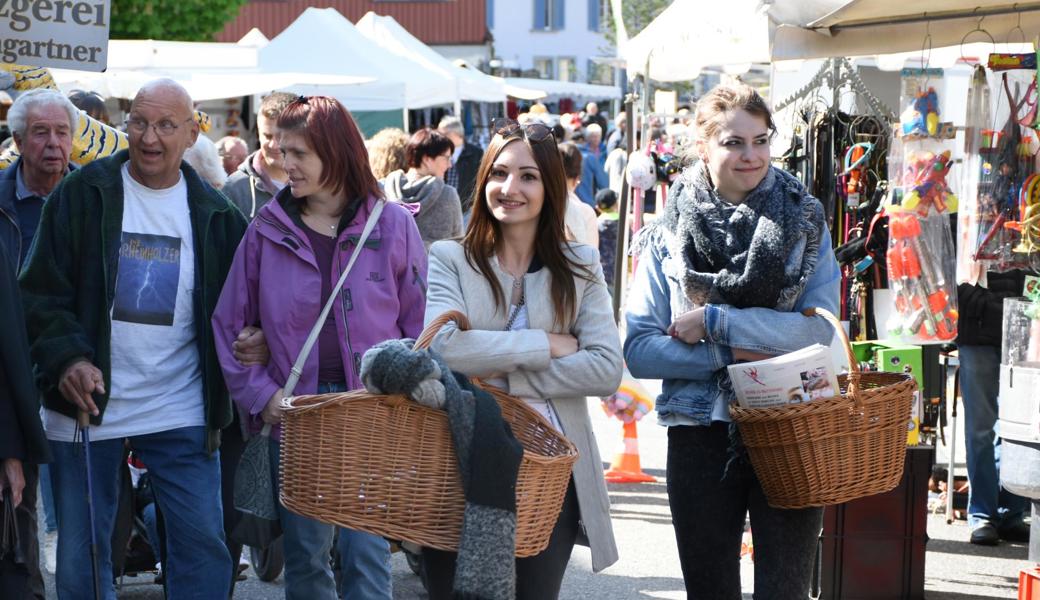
(436, 205)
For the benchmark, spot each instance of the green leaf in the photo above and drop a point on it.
(182, 20)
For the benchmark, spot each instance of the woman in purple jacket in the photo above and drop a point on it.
(282, 276)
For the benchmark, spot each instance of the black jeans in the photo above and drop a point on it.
(708, 515)
(537, 577)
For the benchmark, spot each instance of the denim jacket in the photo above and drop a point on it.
(693, 376)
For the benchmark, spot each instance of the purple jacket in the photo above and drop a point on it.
(275, 283)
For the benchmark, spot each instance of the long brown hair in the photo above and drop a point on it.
(484, 230)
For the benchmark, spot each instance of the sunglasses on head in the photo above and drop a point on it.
(534, 132)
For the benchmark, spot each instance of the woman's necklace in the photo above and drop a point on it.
(321, 224)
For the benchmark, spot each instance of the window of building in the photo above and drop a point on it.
(598, 12)
(600, 73)
(566, 69)
(545, 67)
(548, 15)
(490, 13)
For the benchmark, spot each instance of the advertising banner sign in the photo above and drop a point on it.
(65, 34)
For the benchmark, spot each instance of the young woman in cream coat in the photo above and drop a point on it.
(542, 330)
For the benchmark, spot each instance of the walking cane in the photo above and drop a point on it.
(83, 420)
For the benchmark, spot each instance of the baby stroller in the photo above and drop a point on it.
(132, 552)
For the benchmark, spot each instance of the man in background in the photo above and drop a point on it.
(233, 152)
(261, 175)
(464, 161)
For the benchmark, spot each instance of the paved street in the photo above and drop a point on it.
(649, 565)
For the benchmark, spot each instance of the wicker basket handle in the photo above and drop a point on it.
(306, 404)
(854, 370)
(299, 405)
(426, 337)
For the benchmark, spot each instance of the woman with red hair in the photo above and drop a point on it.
(283, 274)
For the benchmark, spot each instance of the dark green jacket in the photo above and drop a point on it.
(68, 283)
(21, 433)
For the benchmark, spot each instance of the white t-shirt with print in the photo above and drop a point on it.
(156, 374)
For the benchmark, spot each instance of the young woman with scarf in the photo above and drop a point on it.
(541, 329)
(724, 273)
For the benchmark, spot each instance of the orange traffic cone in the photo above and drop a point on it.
(625, 468)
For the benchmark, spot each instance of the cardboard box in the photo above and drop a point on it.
(897, 358)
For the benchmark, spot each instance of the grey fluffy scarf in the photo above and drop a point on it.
(488, 454)
(759, 253)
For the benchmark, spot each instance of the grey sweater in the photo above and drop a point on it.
(438, 212)
(523, 356)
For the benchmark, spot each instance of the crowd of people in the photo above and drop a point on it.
(164, 302)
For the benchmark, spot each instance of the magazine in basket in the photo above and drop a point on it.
(802, 376)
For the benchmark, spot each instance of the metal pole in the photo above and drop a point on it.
(925, 17)
(620, 257)
(84, 426)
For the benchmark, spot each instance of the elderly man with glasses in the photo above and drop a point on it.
(130, 257)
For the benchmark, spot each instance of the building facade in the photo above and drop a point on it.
(552, 39)
(455, 28)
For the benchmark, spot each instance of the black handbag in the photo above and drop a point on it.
(10, 548)
(255, 495)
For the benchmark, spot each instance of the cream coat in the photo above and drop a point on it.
(487, 349)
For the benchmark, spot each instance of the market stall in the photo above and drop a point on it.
(324, 41)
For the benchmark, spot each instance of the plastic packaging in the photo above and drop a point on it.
(920, 273)
(920, 258)
(1005, 214)
(920, 117)
(1021, 338)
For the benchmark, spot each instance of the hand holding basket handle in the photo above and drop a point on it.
(411, 488)
(831, 450)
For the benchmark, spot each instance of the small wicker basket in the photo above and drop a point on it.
(386, 465)
(832, 450)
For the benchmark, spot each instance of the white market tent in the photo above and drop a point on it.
(826, 28)
(551, 90)
(324, 41)
(389, 35)
(691, 34)
(231, 70)
(254, 38)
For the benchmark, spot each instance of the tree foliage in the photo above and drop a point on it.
(184, 20)
(636, 16)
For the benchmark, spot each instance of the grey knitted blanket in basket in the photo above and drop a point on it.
(488, 454)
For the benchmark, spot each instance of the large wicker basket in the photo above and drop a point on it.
(833, 450)
(386, 465)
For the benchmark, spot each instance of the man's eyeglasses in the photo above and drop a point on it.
(534, 132)
(163, 128)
